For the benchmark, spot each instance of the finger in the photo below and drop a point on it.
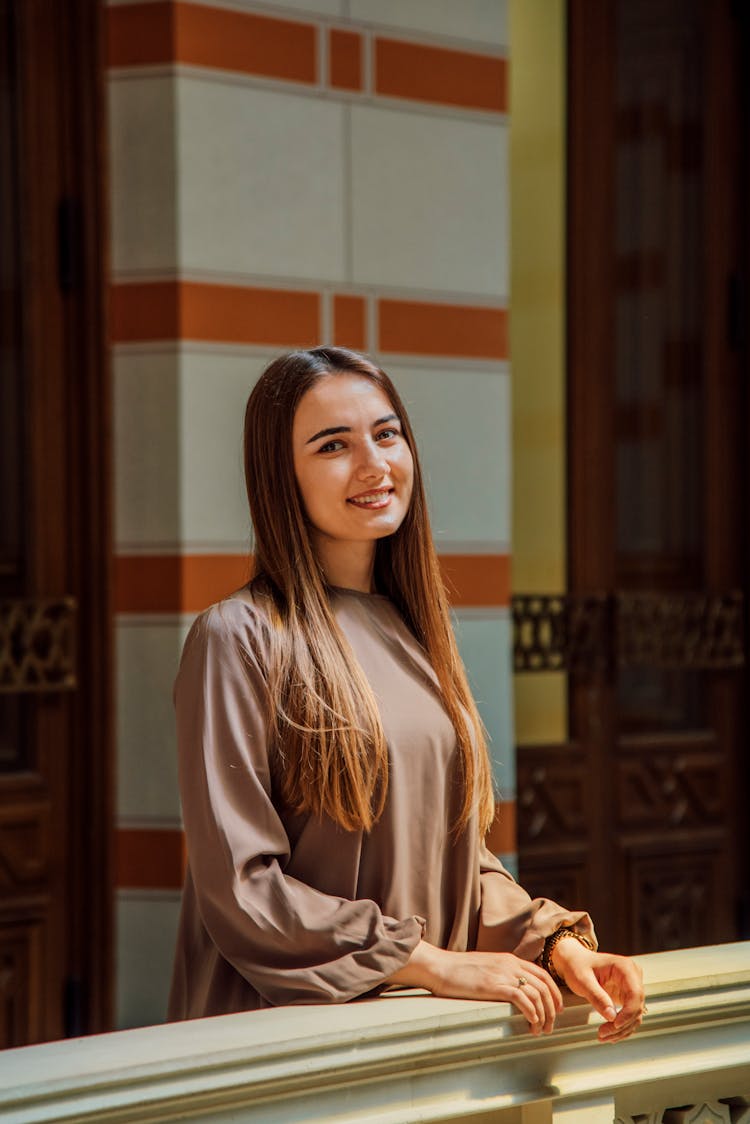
(632, 1004)
(608, 1034)
(546, 1003)
(545, 979)
(589, 988)
(524, 1005)
(536, 998)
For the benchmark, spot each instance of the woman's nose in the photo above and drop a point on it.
(372, 461)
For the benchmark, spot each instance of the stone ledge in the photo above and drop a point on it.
(405, 1057)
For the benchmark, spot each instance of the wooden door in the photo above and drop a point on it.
(55, 808)
(649, 825)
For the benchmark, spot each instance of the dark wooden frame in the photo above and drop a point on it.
(591, 507)
(62, 173)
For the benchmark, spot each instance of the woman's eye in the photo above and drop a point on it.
(387, 434)
(329, 447)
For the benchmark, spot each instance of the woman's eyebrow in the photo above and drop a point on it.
(346, 428)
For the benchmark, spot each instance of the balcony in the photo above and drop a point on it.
(410, 1057)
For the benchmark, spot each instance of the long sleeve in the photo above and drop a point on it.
(511, 921)
(290, 941)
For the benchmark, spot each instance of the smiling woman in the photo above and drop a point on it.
(333, 768)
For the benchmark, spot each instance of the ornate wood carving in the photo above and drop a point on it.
(670, 789)
(36, 645)
(562, 881)
(590, 633)
(553, 632)
(691, 630)
(673, 900)
(551, 795)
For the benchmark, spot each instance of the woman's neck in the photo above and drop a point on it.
(349, 565)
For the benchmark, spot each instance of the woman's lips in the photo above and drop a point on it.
(372, 501)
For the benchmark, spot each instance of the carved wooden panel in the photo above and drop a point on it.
(674, 899)
(562, 881)
(20, 974)
(552, 795)
(670, 789)
(36, 645)
(24, 846)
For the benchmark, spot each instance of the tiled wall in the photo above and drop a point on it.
(287, 174)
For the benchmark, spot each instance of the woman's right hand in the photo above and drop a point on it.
(485, 975)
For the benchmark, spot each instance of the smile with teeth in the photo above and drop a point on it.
(373, 499)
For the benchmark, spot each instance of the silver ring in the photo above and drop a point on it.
(522, 981)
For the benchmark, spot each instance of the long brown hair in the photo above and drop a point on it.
(326, 733)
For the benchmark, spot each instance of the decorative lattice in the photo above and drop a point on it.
(681, 630)
(36, 645)
(559, 633)
(589, 634)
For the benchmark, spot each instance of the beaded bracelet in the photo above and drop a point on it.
(544, 960)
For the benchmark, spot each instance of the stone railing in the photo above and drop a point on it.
(411, 1057)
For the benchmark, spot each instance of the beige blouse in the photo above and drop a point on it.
(283, 908)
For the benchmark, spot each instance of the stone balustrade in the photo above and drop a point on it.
(410, 1057)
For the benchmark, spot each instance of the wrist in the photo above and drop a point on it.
(560, 949)
(423, 968)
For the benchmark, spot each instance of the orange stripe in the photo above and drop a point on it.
(345, 55)
(501, 838)
(165, 310)
(176, 583)
(188, 583)
(441, 75)
(349, 321)
(420, 328)
(244, 42)
(150, 858)
(477, 579)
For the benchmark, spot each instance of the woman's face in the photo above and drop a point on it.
(353, 465)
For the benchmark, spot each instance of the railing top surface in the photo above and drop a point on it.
(691, 990)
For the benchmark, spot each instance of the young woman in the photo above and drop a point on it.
(333, 769)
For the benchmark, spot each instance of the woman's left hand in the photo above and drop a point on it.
(613, 985)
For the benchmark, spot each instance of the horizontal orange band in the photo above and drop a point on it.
(501, 838)
(199, 35)
(150, 858)
(170, 310)
(349, 321)
(479, 580)
(422, 328)
(440, 75)
(345, 60)
(188, 583)
(173, 583)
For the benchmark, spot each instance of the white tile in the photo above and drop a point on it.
(147, 657)
(146, 430)
(260, 181)
(484, 21)
(462, 424)
(429, 202)
(146, 933)
(485, 647)
(142, 144)
(214, 393)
